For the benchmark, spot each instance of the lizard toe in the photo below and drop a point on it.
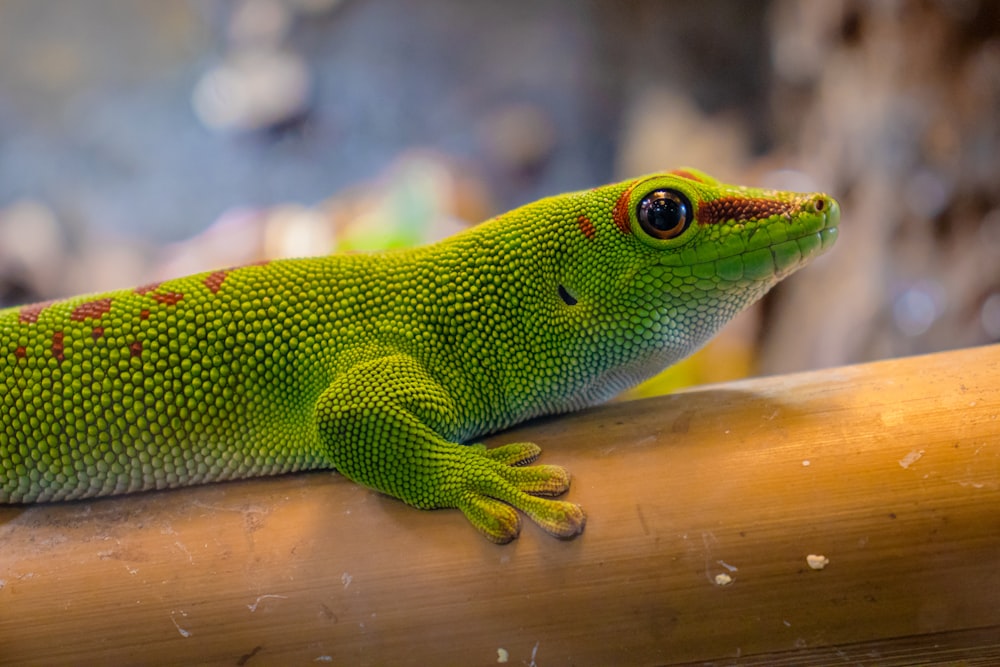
(498, 521)
(514, 454)
(556, 517)
(541, 480)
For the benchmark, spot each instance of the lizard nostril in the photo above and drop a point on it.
(819, 204)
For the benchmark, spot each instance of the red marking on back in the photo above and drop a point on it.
(20, 352)
(587, 227)
(29, 314)
(169, 298)
(144, 314)
(736, 209)
(135, 348)
(620, 214)
(684, 173)
(97, 332)
(57, 346)
(214, 280)
(92, 309)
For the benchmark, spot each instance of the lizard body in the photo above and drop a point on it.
(382, 365)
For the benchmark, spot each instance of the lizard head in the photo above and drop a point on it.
(732, 236)
(662, 262)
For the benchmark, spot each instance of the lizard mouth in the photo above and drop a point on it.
(775, 259)
(793, 254)
(760, 256)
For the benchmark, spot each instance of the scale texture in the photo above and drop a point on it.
(387, 366)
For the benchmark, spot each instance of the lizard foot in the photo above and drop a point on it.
(498, 485)
(373, 429)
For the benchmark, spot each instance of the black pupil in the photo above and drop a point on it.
(664, 211)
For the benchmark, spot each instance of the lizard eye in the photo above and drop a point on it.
(664, 214)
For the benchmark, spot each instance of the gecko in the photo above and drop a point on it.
(390, 366)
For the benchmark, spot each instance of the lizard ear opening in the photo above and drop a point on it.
(567, 298)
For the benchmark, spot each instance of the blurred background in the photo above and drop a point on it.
(142, 139)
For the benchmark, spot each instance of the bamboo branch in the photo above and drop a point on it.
(890, 470)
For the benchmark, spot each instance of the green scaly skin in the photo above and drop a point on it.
(381, 365)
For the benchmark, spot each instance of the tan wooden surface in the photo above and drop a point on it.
(891, 470)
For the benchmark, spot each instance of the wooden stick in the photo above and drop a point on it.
(703, 508)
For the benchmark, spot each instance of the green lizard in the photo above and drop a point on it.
(382, 365)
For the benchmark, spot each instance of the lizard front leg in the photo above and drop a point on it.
(377, 424)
